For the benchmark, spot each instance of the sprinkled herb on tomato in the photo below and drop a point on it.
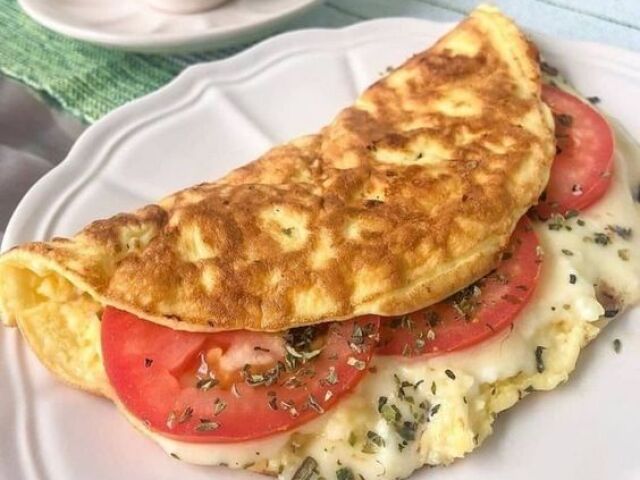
(475, 313)
(581, 171)
(232, 386)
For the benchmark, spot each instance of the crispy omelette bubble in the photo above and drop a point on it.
(406, 197)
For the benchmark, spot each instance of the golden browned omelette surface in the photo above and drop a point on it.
(409, 195)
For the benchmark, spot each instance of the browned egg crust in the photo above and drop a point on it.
(406, 197)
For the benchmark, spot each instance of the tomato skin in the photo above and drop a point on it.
(503, 294)
(582, 169)
(146, 364)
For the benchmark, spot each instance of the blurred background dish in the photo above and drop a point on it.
(138, 26)
(184, 6)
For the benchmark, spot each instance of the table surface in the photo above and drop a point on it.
(35, 135)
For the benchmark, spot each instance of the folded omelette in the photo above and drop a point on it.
(408, 196)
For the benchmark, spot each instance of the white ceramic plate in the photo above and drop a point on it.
(218, 116)
(132, 25)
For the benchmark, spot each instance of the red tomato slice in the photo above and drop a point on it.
(581, 171)
(474, 314)
(232, 386)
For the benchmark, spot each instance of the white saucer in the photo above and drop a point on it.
(132, 25)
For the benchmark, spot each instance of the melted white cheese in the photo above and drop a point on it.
(561, 317)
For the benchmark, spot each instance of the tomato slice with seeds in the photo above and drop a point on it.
(232, 386)
(476, 313)
(581, 171)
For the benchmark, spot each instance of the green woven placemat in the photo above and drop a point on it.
(89, 81)
(84, 79)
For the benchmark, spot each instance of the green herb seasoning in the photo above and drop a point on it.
(207, 425)
(466, 301)
(376, 439)
(313, 404)
(267, 378)
(390, 413)
(373, 443)
(332, 376)
(307, 469)
(345, 473)
(407, 430)
(219, 406)
(557, 222)
(206, 384)
(369, 448)
(290, 407)
(624, 233)
(299, 346)
(432, 318)
(611, 312)
(564, 120)
(186, 415)
(548, 69)
(617, 345)
(601, 239)
(357, 337)
(420, 414)
(539, 360)
(355, 363)
(272, 400)
(406, 322)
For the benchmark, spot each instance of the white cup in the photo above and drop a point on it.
(184, 6)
